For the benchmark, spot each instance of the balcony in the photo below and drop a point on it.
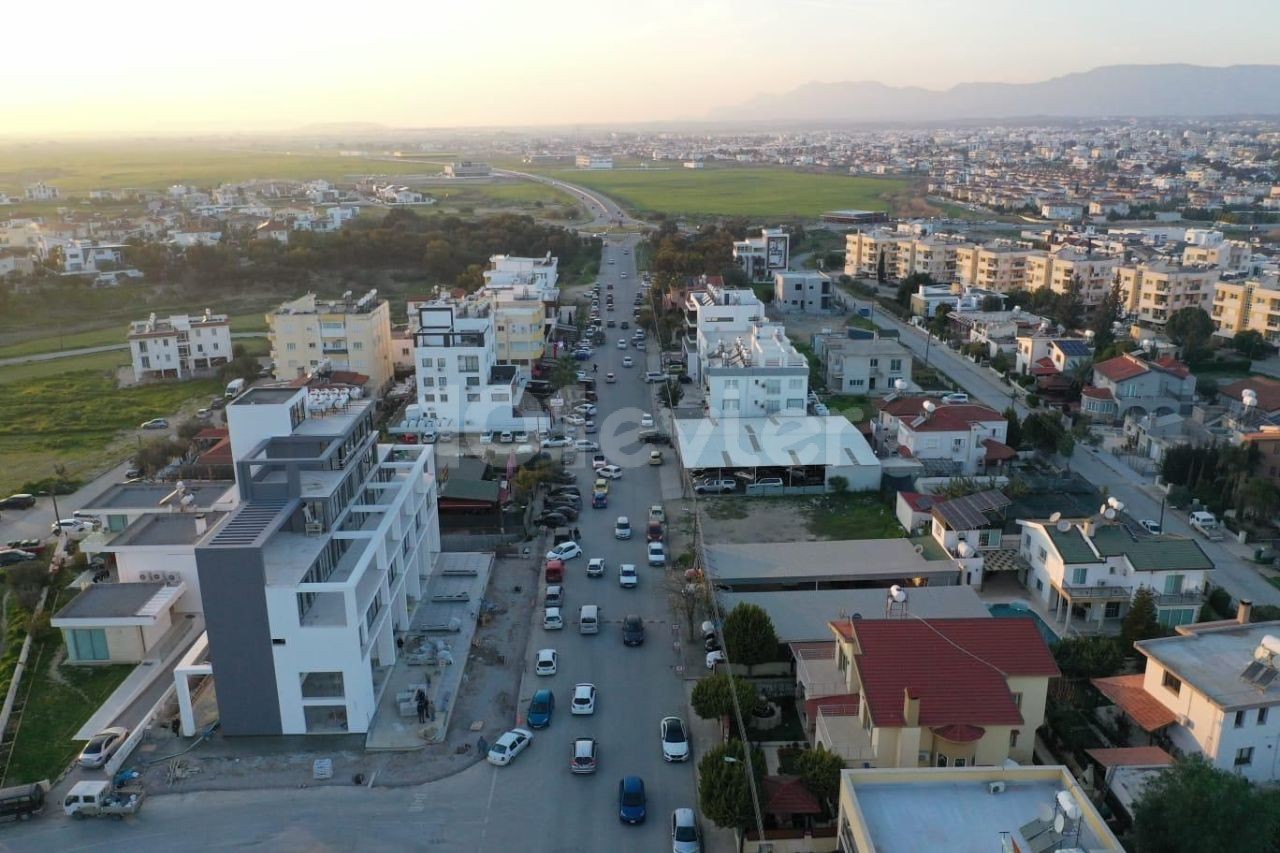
(1098, 591)
(1180, 599)
(840, 730)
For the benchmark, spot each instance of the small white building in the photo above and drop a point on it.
(971, 436)
(40, 191)
(872, 366)
(802, 292)
(593, 161)
(187, 239)
(759, 374)
(467, 169)
(179, 346)
(86, 256)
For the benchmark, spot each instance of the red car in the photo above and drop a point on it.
(555, 571)
(653, 533)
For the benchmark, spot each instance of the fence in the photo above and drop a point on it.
(139, 733)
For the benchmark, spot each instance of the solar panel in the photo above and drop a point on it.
(1264, 680)
(1252, 671)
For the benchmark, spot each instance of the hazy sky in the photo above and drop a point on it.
(143, 66)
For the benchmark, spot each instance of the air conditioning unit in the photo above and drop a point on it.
(157, 577)
(995, 788)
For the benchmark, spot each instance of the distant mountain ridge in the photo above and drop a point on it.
(1115, 90)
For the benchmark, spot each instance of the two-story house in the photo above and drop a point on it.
(938, 692)
(1131, 385)
(871, 366)
(969, 435)
(1213, 689)
(802, 292)
(1083, 570)
(968, 528)
(1039, 353)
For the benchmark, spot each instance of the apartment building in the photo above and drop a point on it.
(1154, 290)
(715, 315)
(872, 366)
(306, 584)
(509, 271)
(802, 292)
(760, 257)
(1067, 266)
(86, 256)
(180, 346)
(345, 334)
(1252, 304)
(958, 692)
(758, 375)
(467, 169)
(461, 386)
(1212, 690)
(865, 249)
(40, 191)
(970, 436)
(999, 265)
(1212, 249)
(1088, 571)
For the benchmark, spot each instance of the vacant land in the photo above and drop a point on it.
(775, 193)
(114, 334)
(799, 518)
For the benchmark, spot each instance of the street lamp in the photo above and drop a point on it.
(52, 493)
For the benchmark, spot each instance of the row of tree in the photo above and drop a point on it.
(1222, 477)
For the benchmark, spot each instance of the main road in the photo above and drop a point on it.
(534, 804)
(604, 210)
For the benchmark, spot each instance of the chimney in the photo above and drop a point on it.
(1088, 527)
(1243, 611)
(201, 524)
(910, 708)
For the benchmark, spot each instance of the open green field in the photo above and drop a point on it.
(77, 167)
(730, 191)
(113, 334)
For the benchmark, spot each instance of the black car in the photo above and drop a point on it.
(18, 502)
(624, 325)
(656, 438)
(632, 631)
(9, 558)
(551, 519)
(567, 511)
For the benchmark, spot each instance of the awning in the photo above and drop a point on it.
(1127, 694)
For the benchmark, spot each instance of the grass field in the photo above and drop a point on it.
(761, 192)
(113, 334)
(852, 516)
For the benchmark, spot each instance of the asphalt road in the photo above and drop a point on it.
(605, 211)
(534, 804)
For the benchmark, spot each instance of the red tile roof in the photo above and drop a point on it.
(210, 434)
(785, 795)
(945, 418)
(1172, 365)
(998, 451)
(219, 454)
(1097, 393)
(1131, 756)
(1121, 367)
(957, 667)
(1126, 692)
(1267, 389)
(918, 501)
(1044, 367)
(960, 733)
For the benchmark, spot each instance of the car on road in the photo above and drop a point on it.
(657, 513)
(632, 630)
(646, 421)
(557, 441)
(657, 554)
(600, 500)
(35, 546)
(555, 596)
(154, 423)
(20, 501)
(548, 662)
(628, 361)
(610, 472)
(552, 620)
(552, 519)
(583, 759)
(541, 707)
(585, 409)
(715, 487)
(1151, 525)
(13, 556)
(585, 445)
(622, 344)
(652, 436)
(102, 746)
(655, 376)
(589, 427)
(631, 800)
(71, 526)
(574, 419)
(609, 324)
(595, 567)
(653, 532)
(610, 378)
(627, 576)
(624, 325)
(675, 739)
(684, 832)
(955, 398)
(508, 746)
(622, 528)
(601, 486)
(565, 551)
(506, 437)
(584, 699)
(598, 461)
(655, 457)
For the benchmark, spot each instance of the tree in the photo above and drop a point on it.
(1258, 498)
(712, 700)
(724, 791)
(991, 303)
(1249, 343)
(1140, 622)
(672, 393)
(749, 637)
(1069, 307)
(820, 773)
(565, 373)
(880, 269)
(838, 484)
(1193, 806)
(1105, 315)
(1089, 657)
(1013, 437)
(1189, 328)
(909, 285)
(1042, 431)
(940, 325)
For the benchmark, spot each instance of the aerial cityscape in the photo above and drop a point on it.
(865, 427)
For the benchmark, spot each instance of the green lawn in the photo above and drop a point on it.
(775, 193)
(58, 704)
(852, 516)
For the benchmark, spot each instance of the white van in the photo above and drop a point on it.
(589, 619)
(234, 387)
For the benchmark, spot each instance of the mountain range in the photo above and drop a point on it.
(1177, 90)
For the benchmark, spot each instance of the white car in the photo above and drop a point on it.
(622, 344)
(714, 658)
(565, 551)
(556, 441)
(547, 663)
(585, 409)
(486, 437)
(582, 375)
(657, 554)
(585, 445)
(675, 739)
(522, 437)
(575, 419)
(98, 751)
(584, 699)
(646, 421)
(595, 567)
(684, 832)
(612, 472)
(584, 755)
(505, 437)
(955, 398)
(622, 528)
(552, 620)
(507, 747)
(627, 361)
(610, 378)
(627, 577)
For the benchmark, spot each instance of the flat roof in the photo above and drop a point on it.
(772, 441)
(109, 601)
(1213, 660)
(802, 615)
(826, 560)
(930, 809)
(268, 395)
(333, 423)
(147, 496)
(165, 529)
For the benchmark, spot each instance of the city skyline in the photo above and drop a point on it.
(259, 68)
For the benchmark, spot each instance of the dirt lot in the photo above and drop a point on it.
(488, 696)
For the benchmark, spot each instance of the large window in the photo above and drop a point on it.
(322, 685)
(89, 644)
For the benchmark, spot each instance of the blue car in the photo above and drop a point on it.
(631, 800)
(540, 708)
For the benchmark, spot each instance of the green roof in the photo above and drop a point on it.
(1071, 545)
(462, 489)
(1148, 554)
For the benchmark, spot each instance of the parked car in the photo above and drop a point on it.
(653, 533)
(556, 441)
(102, 746)
(714, 658)
(584, 699)
(565, 551)
(632, 630)
(631, 800)
(675, 739)
(583, 758)
(655, 376)
(1151, 525)
(585, 445)
(541, 707)
(646, 421)
(685, 837)
(598, 461)
(657, 554)
(19, 501)
(71, 527)
(154, 423)
(657, 513)
(610, 378)
(552, 519)
(552, 620)
(715, 487)
(624, 325)
(13, 556)
(35, 546)
(610, 472)
(955, 398)
(655, 457)
(555, 596)
(595, 567)
(508, 746)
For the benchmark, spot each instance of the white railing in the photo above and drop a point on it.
(140, 731)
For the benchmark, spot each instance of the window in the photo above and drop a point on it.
(89, 644)
(500, 397)
(357, 345)
(1017, 700)
(729, 405)
(473, 398)
(428, 398)
(469, 363)
(444, 398)
(1239, 721)
(957, 444)
(1043, 554)
(473, 381)
(1013, 738)
(795, 383)
(1173, 584)
(731, 384)
(772, 407)
(857, 383)
(773, 386)
(322, 685)
(1171, 682)
(1244, 756)
(959, 762)
(1262, 716)
(1079, 577)
(1112, 610)
(942, 760)
(895, 365)
(290, 346)
(428, 382)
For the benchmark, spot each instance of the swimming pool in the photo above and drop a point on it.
(1015, 610)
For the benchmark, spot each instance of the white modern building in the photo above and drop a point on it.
(761, 257)
(467, 169)
(802, 292)
(179, 346)
(874, 366)
(715, 315)
(510, 271)
(757, 374)
(86, 256)
(971, 437)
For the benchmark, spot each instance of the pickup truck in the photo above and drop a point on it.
(100, 799)
(715, 487)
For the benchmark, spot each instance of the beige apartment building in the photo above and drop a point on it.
(350, 334)
(1155, 290)
(993, 266)
(1056, 270)
(1242, 305)
(904, 254)
(1227, 255)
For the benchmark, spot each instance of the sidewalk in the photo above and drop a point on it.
(705, 734)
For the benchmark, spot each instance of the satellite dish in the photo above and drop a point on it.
(1059, 822)
(897, 593)
(964, 549)
(900, 384)
(856, 616)
(929, 407)
(1064, 526)
(1110, 514)
(1055, 518)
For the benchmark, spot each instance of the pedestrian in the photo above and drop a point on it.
(577, 534)
(595, 368)
(431, 711)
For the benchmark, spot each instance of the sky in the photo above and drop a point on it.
(138, 66)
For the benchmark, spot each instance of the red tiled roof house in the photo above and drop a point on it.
(1129, 384)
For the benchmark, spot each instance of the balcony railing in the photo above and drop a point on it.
(1102, 591)
(1174, 599)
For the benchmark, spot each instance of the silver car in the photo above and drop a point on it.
(685, 837)
(98, 751)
